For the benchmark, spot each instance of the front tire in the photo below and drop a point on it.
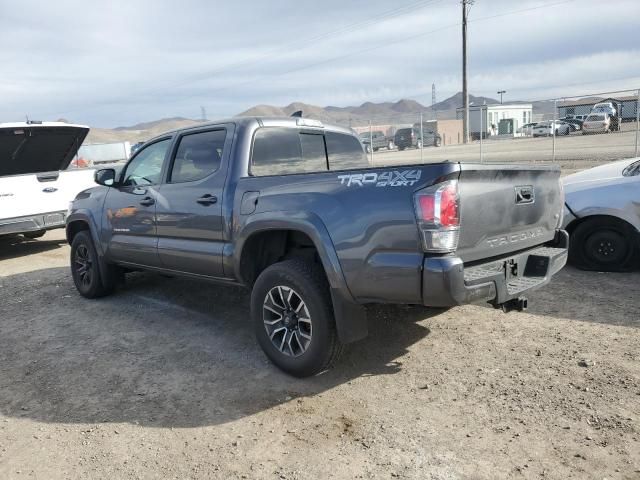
(603, 244)
(86, 268)
(293, 320)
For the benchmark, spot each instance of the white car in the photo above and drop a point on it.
(604, 107)
(596, 123)
(527, 129)
(34, 192)
(602, 216)
(546, 129)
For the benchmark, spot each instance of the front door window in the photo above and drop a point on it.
(146, 167)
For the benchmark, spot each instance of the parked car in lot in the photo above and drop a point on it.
(602, 216)
(35, 188)
(596, 123)
(410, 138)
(546, 129)
(380, 140)
(290, 208)
(527, 129)
(574, 123)
(605, 107)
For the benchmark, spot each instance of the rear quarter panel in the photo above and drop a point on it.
(370, 218)
(619, 198)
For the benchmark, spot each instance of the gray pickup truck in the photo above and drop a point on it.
(377, 139)
(291, 209)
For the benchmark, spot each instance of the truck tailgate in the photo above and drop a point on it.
(505, 208)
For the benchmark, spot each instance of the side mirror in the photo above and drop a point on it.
(106, 177)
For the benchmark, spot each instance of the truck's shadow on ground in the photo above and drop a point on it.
(19, 246)
(160, 352)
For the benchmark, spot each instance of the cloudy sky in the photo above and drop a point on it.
(121, 62)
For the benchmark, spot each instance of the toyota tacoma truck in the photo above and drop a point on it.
(291, 209)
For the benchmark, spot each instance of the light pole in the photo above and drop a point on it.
(466, 4)
(501, 92)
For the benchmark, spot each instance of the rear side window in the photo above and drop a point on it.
(281, 151)
(199, 155)
(345, 152)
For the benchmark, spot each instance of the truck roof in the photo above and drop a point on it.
(290, 122)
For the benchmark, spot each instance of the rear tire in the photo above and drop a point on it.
(293, 320)
(603, 244)
(86, 268)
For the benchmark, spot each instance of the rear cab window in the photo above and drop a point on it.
(285, 151)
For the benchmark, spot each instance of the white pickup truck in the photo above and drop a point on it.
(35, 188)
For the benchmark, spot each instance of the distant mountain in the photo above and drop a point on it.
(162, 123)
(455, 101)
(139, 132)
(404, 111)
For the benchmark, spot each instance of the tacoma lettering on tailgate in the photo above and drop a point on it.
(515, 237)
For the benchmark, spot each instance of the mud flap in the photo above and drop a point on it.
(351, 318)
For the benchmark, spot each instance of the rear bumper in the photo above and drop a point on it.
(33, 223)
(447, 281)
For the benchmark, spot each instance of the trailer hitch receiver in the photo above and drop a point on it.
(518, 304)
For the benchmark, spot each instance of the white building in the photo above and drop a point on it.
(497, 119)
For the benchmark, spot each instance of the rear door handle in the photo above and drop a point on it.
(147, 201)
(207, 199)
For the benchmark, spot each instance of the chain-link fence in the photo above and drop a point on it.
(575, 131)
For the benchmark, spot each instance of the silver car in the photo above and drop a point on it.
(602, 215)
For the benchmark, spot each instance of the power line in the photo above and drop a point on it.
(367, 49)
(301, 44)
(382, 45)
(293, 46)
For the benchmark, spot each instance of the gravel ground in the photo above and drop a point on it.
(164, 380)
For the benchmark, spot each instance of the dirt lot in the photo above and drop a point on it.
(164, 380)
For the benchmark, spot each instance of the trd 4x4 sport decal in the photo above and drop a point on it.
(390, 178)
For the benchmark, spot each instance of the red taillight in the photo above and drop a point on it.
(427, 207)
(449, 215)
(438, 215)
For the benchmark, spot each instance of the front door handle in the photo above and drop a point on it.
(147, 201)
(207, 199)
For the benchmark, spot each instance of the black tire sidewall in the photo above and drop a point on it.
(95, 287)
(582, 236)
(315, 295)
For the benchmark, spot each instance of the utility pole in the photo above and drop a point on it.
(500, 92)
(466, 4)
(433, 94)
(203, 114)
